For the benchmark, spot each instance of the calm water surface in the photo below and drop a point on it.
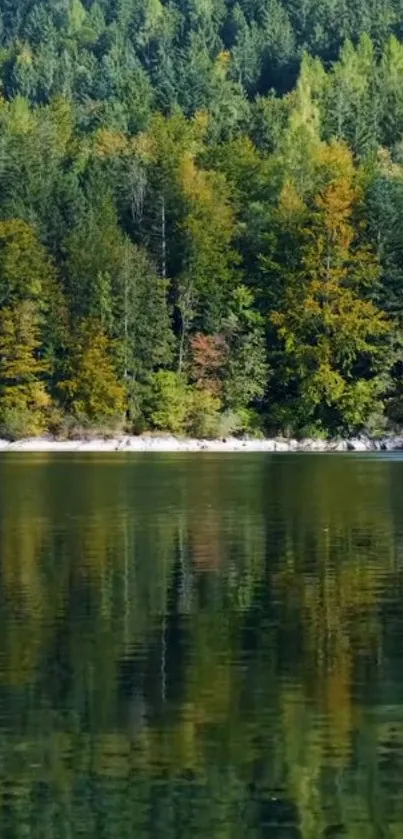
(201, 646)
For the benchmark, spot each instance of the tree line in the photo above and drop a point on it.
(201, 217)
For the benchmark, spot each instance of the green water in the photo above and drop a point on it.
(202, 646)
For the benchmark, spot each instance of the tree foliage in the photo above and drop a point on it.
(332, 333)
(215, 191)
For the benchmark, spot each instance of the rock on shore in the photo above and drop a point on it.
(167, 443)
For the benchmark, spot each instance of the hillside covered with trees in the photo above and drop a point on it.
(201, 216)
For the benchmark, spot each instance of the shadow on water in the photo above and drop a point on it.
(205, 646)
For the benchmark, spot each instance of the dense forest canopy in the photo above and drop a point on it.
(201, 216)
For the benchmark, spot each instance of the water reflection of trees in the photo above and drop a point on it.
(179, 650)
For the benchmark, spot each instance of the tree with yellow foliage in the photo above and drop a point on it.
(30, 327)
(92, 390)
(333, 337)
(24, 402)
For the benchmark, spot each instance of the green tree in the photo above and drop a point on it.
(25, 268)
(141, 310)
(93, 261)
(247, 372)
(142, 323)
(167, 402)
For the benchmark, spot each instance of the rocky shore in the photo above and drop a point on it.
(167, 443)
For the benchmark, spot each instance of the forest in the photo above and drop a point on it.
(201, 217)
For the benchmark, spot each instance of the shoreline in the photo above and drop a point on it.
(169, 443)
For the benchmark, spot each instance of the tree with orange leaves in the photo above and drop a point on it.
(208, 355)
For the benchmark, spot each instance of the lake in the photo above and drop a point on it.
(203, 646)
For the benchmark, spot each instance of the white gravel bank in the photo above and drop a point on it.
(166, 443)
